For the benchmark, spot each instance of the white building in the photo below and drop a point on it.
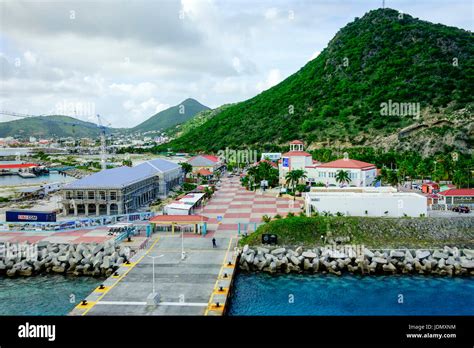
(272, 156)
(360, 173)
(391, 204)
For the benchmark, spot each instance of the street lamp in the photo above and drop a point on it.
(183, 254)
(153, 258)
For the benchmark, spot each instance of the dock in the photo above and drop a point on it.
(197, 285)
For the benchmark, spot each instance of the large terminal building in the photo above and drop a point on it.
(121, 190)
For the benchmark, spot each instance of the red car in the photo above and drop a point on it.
(461, 209)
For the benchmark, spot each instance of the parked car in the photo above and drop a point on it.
(462, 209)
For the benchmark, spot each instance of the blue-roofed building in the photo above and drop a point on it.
(121, 190)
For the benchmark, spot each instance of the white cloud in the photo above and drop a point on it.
(133, 60)
(273, 78)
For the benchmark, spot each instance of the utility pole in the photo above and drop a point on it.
(103, 145)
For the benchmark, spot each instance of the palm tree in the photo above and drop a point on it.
(293, 177)
(186, 167)
(252, 172)
(342, 176)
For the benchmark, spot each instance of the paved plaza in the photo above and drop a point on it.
(95, 235)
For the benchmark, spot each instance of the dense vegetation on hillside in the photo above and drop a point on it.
(47, 126)
(194, 122)
(380, 57)
(172, 116)
(399, 166)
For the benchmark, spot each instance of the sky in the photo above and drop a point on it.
(127, 60)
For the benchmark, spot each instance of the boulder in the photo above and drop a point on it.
(440, 255)
(368, 253)
(379, 260)
(469, 253)
(408, 256)
(299, 250)
(309, 254)
(421, 254)
(467, 264)
(441, 263)
(245, 249)
(58, 269)
(295, 260)
(307, 265)
(278, 251)
(398, 254)
(263, 250)
(389, 268)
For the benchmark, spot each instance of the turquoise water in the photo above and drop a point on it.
(263, 294)
(43, 294)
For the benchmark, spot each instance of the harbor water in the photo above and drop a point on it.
(44, 294)
(263, 294)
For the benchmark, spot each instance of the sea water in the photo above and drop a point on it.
(44, 294)
(263, 294)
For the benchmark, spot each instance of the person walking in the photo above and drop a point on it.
(214, 245)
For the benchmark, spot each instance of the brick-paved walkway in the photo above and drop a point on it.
(235, 204)
(97, 235)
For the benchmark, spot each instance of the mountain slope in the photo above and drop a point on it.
(379, 58)
(48, 126)
(196, 121)
(172, 116)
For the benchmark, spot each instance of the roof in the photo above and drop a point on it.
(123, 176)
(348, 163)
(18, 165)
(204, 172)
(179, 218)
(296, 153)
(273, 164)
(458, 192)
(429, 184)
(203, 160)
(296, 142)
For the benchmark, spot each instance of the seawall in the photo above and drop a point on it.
(336, 259)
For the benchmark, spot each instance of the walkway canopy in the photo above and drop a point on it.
(199, 221)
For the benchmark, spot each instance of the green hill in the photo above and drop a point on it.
(196, 121)
(172, 116)
(49, 126)
(383, 57)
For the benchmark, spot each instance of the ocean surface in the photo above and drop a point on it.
(44, 294)
(263, 294)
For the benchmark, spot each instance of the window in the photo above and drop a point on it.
(68, 194)
(102, 195)
(80, 195)
(90, 194)
(113, 196)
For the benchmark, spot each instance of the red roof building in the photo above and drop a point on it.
(458, 192)
(348, 164)
(18, 165)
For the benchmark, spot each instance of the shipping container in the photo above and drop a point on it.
(30, 216)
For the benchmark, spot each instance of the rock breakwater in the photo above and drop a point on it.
(76, 259)
(449, 261)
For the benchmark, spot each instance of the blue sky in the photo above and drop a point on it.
(129, 59)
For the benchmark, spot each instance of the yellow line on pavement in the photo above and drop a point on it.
(122, 276)
(224, 262)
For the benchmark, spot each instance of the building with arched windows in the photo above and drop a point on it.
(121, 190)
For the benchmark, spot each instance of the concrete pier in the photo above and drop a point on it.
(192, 286)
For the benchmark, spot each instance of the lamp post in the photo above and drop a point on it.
(183, 254)
(153, 258)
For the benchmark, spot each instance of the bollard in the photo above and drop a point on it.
(229, 264)
(84, 303)
(217, 305)
(225, 275)
(101, 287)
(116, 274)
(221, 288)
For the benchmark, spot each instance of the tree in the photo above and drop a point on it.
(186, 167)
(342, 176)
(252, 172)
(293, 177)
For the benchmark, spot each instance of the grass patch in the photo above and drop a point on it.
(373, 232)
